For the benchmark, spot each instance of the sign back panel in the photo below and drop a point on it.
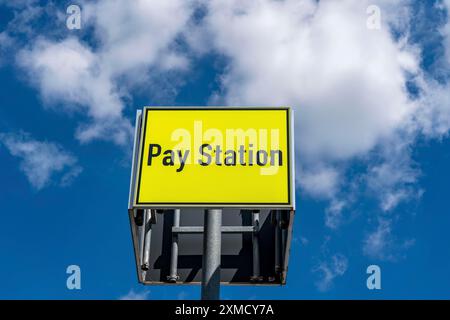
(214, 157)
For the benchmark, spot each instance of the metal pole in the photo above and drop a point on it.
(255, 240)
(147, 228)
(283, 232)
(142, 238)
(277, 242)
(173, 276)
(211, 255)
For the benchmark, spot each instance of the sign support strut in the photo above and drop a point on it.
(212, 238)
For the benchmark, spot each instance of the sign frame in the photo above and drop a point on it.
(138, 152)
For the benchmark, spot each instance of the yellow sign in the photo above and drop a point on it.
(214, 157)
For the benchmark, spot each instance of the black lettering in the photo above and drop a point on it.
(168, 159)
(272, 156)
(202, 147)
(182, 159)
(152, 154)
(218, 154)
(242, 152)
(230, 158)
(258, 158)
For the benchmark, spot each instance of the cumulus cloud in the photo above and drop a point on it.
(69, 73)
(329, 270)
(433, 117)
(347, 83)
(42, 162)
(135, 36)
(349, 86)
(132, 41)
(434, 114)
(319, 181)
(133, 295)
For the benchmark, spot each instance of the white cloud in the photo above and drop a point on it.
(434, 114)
(446, 30)
(5, 39)
(333, 214)
(346, 82)
(329, 270)
(356, 121)
(133, 40)
(132, 295)
(18, 3)
(433, 117)
(5, 42)
(382, 244)
(137, 35)
(41, 161)
(376, 242)
(393, 176)
(395, 14)
(69, 73)
(26, 14)
(320, 181)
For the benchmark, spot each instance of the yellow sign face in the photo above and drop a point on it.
(214, 157)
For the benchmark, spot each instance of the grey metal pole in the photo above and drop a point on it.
(277, 243)
(255, 240)
(212, 239)
(283, 231)
(142, 238)
(147, 227)
(173, 276)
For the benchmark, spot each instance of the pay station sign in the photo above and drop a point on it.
(214, 157)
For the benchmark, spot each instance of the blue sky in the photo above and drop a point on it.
(372, 110)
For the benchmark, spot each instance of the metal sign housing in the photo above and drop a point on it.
(252, 253)
(251, 178)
